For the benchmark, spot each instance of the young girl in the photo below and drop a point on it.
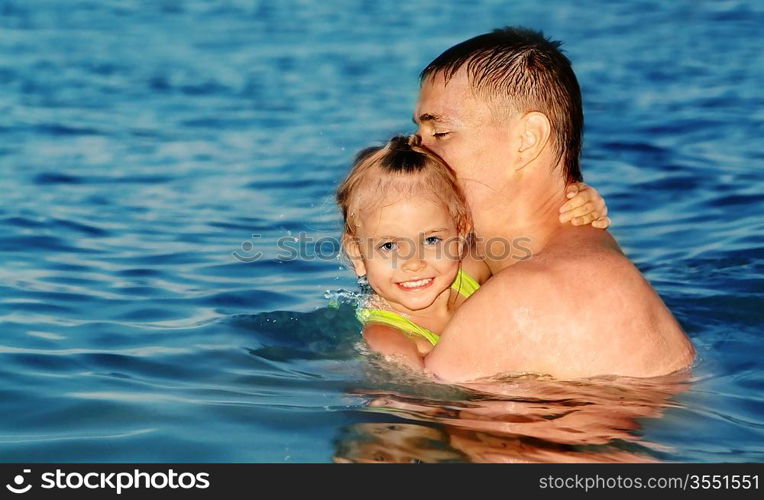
(408, 233)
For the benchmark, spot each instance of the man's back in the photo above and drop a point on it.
(578, 309)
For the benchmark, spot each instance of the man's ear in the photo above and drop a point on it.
(535, 131)
(351, 247)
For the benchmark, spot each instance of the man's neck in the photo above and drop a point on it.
(527, 224)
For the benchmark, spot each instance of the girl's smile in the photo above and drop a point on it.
(407, 258)
(415, 285)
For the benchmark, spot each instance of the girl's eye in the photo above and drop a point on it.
(440, 135)
(432, 240)
(387, 246)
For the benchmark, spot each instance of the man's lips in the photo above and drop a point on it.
(415, 284)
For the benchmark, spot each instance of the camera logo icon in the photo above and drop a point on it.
(19, 481)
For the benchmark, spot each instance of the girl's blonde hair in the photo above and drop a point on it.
(403, 167)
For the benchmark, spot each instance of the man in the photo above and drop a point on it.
(504, 110)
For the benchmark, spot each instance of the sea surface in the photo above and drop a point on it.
(170, 288)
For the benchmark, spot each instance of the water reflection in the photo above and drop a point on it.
(526, 419)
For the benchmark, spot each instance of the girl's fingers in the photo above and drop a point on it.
(571, 191)
(584, 206)
(601, 203)
(583, 220)
(581, 197)
(602, 223)
(587, 208)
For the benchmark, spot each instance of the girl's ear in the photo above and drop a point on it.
(465, 241)
(465, 236)
(466, 228)
(351, 247)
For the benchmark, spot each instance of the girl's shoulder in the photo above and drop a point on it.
(392, 342)
(477, 268)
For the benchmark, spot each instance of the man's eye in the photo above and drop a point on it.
(387, 246)
(432, 240)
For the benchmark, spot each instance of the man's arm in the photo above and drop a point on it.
(486, 334)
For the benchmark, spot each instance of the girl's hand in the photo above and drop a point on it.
(584, 206)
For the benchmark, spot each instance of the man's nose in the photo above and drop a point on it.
(423, 141)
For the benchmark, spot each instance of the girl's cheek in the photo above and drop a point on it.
(378, 271)
(453, 250)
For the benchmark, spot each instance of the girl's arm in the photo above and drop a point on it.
(394, 345)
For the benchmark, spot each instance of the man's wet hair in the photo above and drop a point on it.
(518, 69)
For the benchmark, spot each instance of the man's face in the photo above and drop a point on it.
(462, 130)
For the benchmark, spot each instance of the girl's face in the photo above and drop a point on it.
(409, 250)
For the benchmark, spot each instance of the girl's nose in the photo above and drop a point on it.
(414, 264)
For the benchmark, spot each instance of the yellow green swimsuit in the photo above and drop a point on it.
(464, 284)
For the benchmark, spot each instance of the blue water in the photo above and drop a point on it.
(146, 144)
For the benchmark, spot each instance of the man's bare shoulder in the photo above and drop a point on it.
(576, 311)
(573, 276)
